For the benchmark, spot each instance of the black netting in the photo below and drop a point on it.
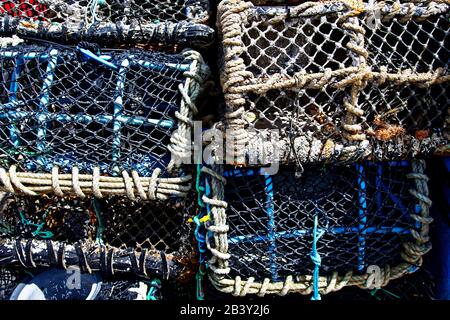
(9, 279)
(49, 218)
(411, 287)
(364, 211)
(165, 22)
(153, 226)
(129, 289)
(62, 107)
(336, 85)
(157, 235)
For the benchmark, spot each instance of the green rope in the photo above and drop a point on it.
(8, 153)
(98, 216)
(199, 276)
(199, 233)
(375, 291)
(198, 187)
(38, 232)
(6, 229)
(155, 285)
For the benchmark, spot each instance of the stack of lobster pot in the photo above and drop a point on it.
(331, 107)
(97, 102)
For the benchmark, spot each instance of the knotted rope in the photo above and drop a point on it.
(180, 142)
(148, 188)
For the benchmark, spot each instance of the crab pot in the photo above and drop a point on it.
(370, 220)
(156, 234)
(339, 82)
(163, 24)
(105, 123)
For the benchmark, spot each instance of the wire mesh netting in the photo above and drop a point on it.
(340, 81)
(123, 289)
(9, 279)
(160, 22)
(102, 113)
(153, 232)
(369, 216)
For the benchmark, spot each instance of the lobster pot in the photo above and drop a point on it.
(337, 82)
(360, 225)
(159, 22)
(98, 235)
(74, 121)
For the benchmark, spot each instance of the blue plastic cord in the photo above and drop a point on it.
(26, 56)
(402, 163)
(317, 260)
(43, 110)
(118, 107)
(200, 236)
(97, 58)
(362, 199)
(85, 119)
(13, 99)
(103, 59)
(270, 211)
(207, 194)
(378, 188)
(333, 230)
(237, 173)
(253, 172)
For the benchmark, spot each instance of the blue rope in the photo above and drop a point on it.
(199, 236)
(315, 257)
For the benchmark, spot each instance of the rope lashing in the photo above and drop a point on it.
(91, 13)
(317, 260)
(180, 145)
